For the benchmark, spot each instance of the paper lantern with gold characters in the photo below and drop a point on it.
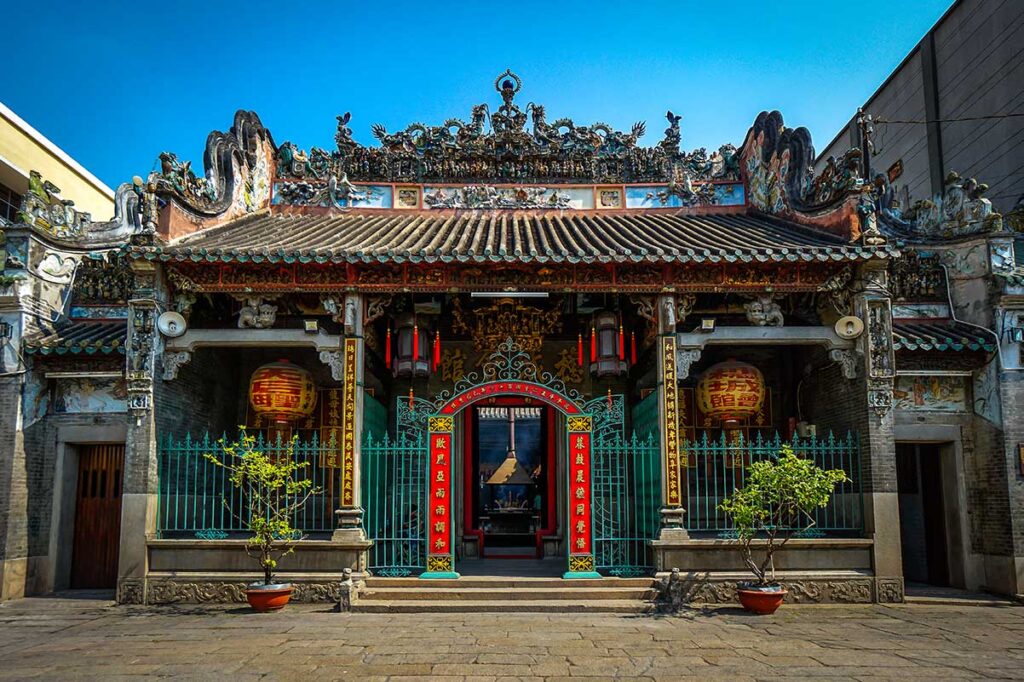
(731, 391)
(282, 392)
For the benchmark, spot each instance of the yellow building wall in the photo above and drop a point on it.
(22, 152)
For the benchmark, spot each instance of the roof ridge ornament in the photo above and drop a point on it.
(505, 88)
(511, 144)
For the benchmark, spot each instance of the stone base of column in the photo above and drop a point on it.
(889, 590)
(672, 528)
(350, 526)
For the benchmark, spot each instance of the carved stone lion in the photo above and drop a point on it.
(763, 311)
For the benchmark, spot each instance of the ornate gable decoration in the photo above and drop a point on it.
(46, 212)
(509, 362)
(960, 211)
(44, 208)
(511, 144)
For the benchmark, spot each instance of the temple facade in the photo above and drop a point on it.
(512, 338)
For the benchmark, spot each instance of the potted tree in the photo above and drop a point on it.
(774, 505)
(272, 491)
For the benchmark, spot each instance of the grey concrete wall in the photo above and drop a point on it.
(978, 71)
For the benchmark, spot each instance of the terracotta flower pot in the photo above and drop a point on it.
(263, 598)
(760, 600)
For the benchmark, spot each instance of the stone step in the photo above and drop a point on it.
(505, 583)
(629, 606)
(460, 593)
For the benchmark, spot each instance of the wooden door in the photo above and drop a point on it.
(97, 516)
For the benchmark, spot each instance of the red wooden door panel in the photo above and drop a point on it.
(97, 516)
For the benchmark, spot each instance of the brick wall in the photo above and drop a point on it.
(13, 489)
(1012, 394)
(837, 404)
(203, 398)
(210, 393)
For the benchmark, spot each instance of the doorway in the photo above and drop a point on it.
(97, 517)
(924, 535)
(509, 498)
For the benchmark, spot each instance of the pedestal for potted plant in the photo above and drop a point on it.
(762, 600)
(263, 598)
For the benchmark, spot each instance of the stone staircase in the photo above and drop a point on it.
(488, 594)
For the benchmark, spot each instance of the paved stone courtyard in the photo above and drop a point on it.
(52, 638)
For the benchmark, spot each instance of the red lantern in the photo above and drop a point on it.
(282, 392)
(387, 350)
(731, 391)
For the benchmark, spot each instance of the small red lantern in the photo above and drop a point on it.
(282, 392)
(731, 391)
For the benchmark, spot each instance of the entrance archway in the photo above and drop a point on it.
(578, 433)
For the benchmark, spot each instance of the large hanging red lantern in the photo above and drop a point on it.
(730, 392)
(282, 392)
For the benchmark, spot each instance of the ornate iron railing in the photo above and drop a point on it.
(627, 497)
(196, 498)
(394, 492)
(713, 468)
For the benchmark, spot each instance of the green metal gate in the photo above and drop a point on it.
(627, 491)
(394, 488)
(627, 494)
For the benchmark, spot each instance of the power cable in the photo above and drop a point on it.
(949, 120)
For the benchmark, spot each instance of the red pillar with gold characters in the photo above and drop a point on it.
(440, 531)
(580, 496)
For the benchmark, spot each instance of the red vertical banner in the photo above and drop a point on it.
(580, 517)
(440, 553)
(348, 425)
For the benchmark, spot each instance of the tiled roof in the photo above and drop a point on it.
(513, 236)
(941, 336)
(81, 337)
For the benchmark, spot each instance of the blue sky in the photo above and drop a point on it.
(116, 83)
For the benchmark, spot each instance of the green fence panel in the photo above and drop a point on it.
(714, 468)
(196, 499)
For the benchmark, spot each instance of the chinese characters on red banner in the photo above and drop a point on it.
(524, 388)
(579, 493)
(439, 512)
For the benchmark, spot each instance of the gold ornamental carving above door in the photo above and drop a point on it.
(506, 318)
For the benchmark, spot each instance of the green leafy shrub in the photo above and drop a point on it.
(776, 503)
(271, 492)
